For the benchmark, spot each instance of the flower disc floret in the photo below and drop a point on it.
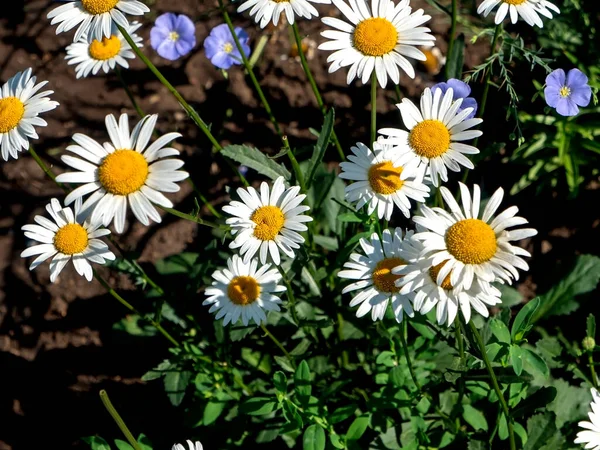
(383, 278)
(435, 270)
(106, 48)
(269, 221)
(384, 178)
(123, 172)
(375, 37)
(11, 112)
(243, 290)
(71, 239)
(429, 139)
(514, 2)
(471, 241)
(98, 6)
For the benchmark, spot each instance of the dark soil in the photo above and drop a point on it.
(57, 346)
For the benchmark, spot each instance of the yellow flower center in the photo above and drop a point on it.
(269, 221)
(106, 49)
(243, 290)
(429, 138)
(383, 278)
(375, 37)
(471, 241)
(281, 1)
(433, 273)
(565, 92)
(71, 239)
(384, 178)
(174, 36)
(11, 112)
(514, 2)
(98, 6)
(227, 47)
(123, 172)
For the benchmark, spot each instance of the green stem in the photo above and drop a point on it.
(488, 365)
(373, 107)
(117, 418)
(183, 215)
(402, 333)
(451, 38)
(398, 93)
(593, 370)
(43, 166)
(278, 344)
(315, 88)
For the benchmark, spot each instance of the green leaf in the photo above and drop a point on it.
(342, 413)
(499, 330)
(284, 363)
(212, 411)
(253, 158)
(258, 406)
(591, 326)
(516, 358)
(539, 399)
(280, 381)
(540, 428)
(320, 147)
(182, 263)
(96, 443)
(357, 428)
(535, 362)
(571, 401)
(583, 278)
(456, 58)
(475, 418)
(176, 384)
(122, 445)
(350, 217)
(510, 296)
(522, 323)
(302, 380)
(158, 371)
(314, 438)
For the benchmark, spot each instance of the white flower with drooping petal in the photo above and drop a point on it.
(528, 10)
(191, 445)
(590, 435)
(69, 237)
(379, 38)
(265, 11)
(124, 172)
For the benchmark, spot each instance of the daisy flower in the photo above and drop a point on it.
(265, 11)
(192, 446)
(434, 134)
(372, 272)
(419, 278)
(20, 105)
(69, 237)
(380, 180)
(529, 10)
(377, 38)
(267, 221)
(94, 17)
(105, 54)
(566, 92)
(590, 436)
(244, 291)
(124, 172)
(473, 248)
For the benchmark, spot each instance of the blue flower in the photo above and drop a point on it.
(566, 92)
(460, 89)
(173, 36)
(221, 49)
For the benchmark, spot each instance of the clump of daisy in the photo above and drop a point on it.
(220, 46)
(94, 17)
(267, 221)
(124, 172)
(244, 290)
(473, 248)
(173, 35)
(105, 54)
(20, 106)
(419, 278)
(68, 237)
(191, 446)
(529, 10)
(378, 38)
(265, 11)
(460, 89)
(590, 435)
(565, 92)
(380, 180)
(371, 272)
(435, 135)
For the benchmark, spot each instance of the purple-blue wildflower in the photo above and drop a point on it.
(460, 89)
(221, 49)
(566, 92)
(173, 35)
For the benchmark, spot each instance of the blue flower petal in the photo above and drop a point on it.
(581, 95)
(576, 78)
(157, 36)
(185, 27)
(566, 107)
(460, 88)
(222, 60)
(184, 46)
(552, 94)
(469, 102)
(168, 50)
(211, 46)
(556, 78)
(166, 20)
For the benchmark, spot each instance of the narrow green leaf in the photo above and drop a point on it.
(122, 445)
(175, 385)
(516, 358)
(96, 443)
(591, 326)
(284, 363)
(280, 381)
(522, 325)
(499, 330)
(456, 58)
(302, 380)
(320, 147)
(253, 158)
(342, 413)
(536, 362)
(475, 418)
(258, 406)
(314, 438)
(212, 411)
(357, 428)
(539, 399)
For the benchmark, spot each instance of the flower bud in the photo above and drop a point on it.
(588, 344)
